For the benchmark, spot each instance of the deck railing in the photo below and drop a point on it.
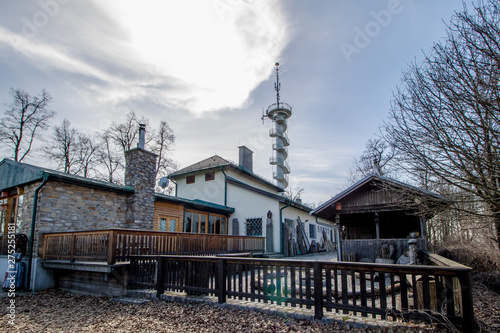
(115, 245)
(427, 293)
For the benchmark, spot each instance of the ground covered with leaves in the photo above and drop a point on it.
(59, 311)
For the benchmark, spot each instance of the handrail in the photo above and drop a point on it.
(114, 245)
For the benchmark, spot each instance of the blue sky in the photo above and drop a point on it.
(205, 67)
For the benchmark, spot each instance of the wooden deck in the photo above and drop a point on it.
(116, 245)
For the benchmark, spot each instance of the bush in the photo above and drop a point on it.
(489, 279)
(480, 258)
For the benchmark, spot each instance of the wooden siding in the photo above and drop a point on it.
(370, 198)
(165, 209)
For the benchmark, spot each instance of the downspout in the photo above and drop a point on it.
(32, 233)
(281, 224)
(175, 185)
(225, 186)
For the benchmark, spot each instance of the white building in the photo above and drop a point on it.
(259, 205)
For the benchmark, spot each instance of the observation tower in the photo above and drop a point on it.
(279, 112)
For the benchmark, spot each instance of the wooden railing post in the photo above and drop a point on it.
(222, 281)
(467, 306)
(160, 276)
(318, 291)
(112, 239)
(73, 248)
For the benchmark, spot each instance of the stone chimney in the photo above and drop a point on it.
(140, 173)
(246, 159)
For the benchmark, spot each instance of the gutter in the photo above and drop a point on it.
(32, 234)
(225, 185)
(281, 224)
(175, 185)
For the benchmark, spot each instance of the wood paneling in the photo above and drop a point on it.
(165, 209)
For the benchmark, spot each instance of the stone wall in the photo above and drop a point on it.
(140, 172)
(67, 207)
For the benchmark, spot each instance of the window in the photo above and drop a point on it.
(209, 176)
(190, 179)
(204, 223)
(254, 226)
(10, 213)
(312, 230)
(168, 224)
(163, 224)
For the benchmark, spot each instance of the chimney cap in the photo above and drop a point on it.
(245, 147)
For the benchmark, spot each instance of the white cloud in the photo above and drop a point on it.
(197, 55)
(220, 49)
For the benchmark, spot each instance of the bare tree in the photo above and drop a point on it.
(121, 137)
(294, 193)
(445, 118)
(162, 142)
(63, 147)
(124, 134)
(87, 156)
(111, 158)
(24, 119)
(377, 157)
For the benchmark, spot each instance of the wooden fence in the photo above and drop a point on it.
(357, 249)
(116, 245)
(427, 293)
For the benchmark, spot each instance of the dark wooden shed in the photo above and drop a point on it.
(378, 209)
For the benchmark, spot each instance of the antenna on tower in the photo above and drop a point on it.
(277, 84)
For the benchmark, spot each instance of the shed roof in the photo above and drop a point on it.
(327, 209)
(14, 174)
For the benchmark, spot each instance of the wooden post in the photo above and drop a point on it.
(318, 291)
(222, 281)
(160, 277)
(467, 307)
(377, 225)
(73, 248)
(112, 236)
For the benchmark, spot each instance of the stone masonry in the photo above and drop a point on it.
(67, 207)
(140, 173)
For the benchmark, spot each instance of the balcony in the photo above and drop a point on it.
(276, 108)
(283, 136)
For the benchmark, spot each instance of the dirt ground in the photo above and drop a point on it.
(59, 311)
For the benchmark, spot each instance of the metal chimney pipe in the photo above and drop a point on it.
(142, 135)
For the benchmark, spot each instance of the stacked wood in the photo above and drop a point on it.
(328, 245)
(302, 240)
(289, 245)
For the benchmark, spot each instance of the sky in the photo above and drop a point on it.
(206, 68)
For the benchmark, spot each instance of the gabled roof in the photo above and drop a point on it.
(14, 173)
(321, 209)
(216, 162)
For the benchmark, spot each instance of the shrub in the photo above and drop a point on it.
(480, 258)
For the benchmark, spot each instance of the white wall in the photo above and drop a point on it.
(211, 191)
(249, 204)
